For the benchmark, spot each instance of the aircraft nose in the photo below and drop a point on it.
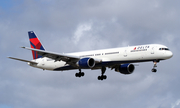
(169, 54)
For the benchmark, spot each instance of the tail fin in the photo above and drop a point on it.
(35, 43)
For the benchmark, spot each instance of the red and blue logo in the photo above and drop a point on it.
(36, 44)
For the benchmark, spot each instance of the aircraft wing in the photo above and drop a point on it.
(23, 60)
(56, 56)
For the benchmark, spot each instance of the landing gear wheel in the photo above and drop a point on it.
(154, 70)
(102, 77)
(80, 74)
(99, 77)
(77, 75)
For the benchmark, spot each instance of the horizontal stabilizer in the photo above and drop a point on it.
(55, 56)
(23, 60)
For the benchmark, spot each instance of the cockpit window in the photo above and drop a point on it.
(163, 49)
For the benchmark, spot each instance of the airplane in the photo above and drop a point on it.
(119, 59)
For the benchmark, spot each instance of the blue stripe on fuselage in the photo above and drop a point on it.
(99, 65)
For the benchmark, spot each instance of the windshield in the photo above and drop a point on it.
(163, 49)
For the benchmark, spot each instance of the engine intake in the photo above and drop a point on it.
(86, 63)
(125, 68)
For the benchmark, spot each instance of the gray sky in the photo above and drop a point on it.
(80, 25)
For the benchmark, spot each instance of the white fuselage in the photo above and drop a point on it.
(122, 55)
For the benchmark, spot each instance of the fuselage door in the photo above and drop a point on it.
(42, 61)
(125, 53)
(152, 51)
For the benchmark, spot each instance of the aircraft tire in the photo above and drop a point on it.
(82, 73)
(99, 77)
(154, 70)
(104, 77)
(77, 75)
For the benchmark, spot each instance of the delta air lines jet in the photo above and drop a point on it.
(119, 59)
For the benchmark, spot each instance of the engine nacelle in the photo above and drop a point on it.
(125, 68)
(86, 63)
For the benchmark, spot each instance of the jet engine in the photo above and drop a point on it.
(86, 63)
(125, 68)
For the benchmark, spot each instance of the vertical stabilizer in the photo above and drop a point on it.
(35, 43)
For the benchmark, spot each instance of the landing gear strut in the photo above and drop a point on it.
(80, 74)
(155, 65)
(102, 77)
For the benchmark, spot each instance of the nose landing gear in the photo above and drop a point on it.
(155, 65)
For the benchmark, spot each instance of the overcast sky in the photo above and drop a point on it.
(81, 25)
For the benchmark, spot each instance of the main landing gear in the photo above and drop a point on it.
(155, 65)
(102, 77)
(80, 74)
